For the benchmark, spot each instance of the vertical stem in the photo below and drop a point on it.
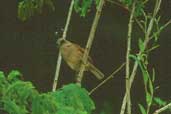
(146, 41)
(90, 41)
(55, 83)
(130, 26)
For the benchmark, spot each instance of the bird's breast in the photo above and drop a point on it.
(73, 57)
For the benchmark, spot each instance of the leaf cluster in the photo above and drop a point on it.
(83, 6)
(78, 98)
(20, 97)
(140, 5)
(27, 8)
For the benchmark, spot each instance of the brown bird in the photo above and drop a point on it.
(73, 53)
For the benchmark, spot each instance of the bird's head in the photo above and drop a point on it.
(61, 41)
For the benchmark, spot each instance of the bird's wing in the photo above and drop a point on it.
(82, 50)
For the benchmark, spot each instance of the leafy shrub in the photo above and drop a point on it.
(20, 97)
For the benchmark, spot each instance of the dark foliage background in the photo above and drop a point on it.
(31, 48)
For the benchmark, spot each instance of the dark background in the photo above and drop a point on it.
(30, 47)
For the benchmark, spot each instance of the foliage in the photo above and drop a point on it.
(83, 6)
(159, 101)
(20, 97)
(140, 4)
(73, 95)
(71, 99)
(149, 25)
(27, 8)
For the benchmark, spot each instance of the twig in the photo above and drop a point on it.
(162, 109)
(90, 41)
(127, 75)
(140, 25)
(118, 4)
(164, 26)
(146, 41)
(107, 79)
(55, 83)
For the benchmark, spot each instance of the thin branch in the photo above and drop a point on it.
(90, 41)
(140, 25)
(107, 79)
(153, 48)
(146, 41)
(118, 4)
(162, 109)
(127, 75)
(55, 83)
(168, 23)
(164, 26)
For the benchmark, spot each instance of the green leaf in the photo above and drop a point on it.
(133, 57)
(97, 3)
(3, 84)
(159, 101)
(142, 109)
(144, 70)
(77, 6)
(142, 67)
(82, 6)
(149, 98)
(86, 4)
(141, 45)
(2, 76)
(139, 8)
(14, 75)
(27, 8)
(145, 75)
(151, 88)
(127, 2)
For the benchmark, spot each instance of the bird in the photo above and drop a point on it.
(72, 54)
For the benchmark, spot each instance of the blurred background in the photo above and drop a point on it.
(30, 47)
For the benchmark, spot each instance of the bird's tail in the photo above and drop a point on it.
(99, 75)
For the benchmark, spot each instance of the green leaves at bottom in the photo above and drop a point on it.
(19, 97)
(73, 97)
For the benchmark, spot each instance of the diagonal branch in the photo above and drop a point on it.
(90, 41)
(55, 83)
(162, 109)
(107, 79)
